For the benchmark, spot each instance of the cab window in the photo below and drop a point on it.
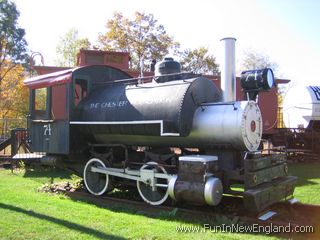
(41, 104)
(80, 90)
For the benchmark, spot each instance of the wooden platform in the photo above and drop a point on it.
(23, 156)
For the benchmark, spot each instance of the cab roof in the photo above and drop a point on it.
(51, 79)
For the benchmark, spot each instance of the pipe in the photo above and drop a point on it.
(228, 70)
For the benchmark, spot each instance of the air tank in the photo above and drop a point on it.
(301, 105)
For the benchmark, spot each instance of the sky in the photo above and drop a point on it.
(288, 31)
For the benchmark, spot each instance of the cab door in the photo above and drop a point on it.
(49, 120)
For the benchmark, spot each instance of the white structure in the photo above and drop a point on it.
(301, 105)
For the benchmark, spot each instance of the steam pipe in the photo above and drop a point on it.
(228, 70)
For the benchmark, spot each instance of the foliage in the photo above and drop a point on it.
(13, 46)
(13, 95)
(143, 37)
(256, 60)
(69, 46)
(199, 61)
(40, 99)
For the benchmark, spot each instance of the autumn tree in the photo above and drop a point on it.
(199, 60)
(69, 46)
(13, 99)
(253, 59)
(14, 95)
(13, 46)
(143, 37)
(13, 53)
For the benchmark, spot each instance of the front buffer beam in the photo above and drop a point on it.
(266, 181)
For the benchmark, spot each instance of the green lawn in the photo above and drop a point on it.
(26, 213)
(308, 185)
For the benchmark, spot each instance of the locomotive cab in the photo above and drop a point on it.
(53, 104)
(48, 121)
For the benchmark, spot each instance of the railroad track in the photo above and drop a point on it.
(231, 211)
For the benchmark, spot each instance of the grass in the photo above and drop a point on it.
(26, 213)
(308, 184)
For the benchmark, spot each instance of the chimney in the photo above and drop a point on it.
(228, 70)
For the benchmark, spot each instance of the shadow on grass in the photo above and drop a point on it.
(64, 223)
(228, 205)
(46, 174)
(172, 215)
(305, 172)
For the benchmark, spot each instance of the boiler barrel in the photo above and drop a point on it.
(301, 105)
(149, 109)
(229, 125)
(183, 113)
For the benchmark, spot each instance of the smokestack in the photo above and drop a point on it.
(228, 70)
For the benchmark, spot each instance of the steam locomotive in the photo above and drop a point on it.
(176, 136)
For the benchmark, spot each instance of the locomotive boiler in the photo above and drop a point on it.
(175, 136)
(187, 112)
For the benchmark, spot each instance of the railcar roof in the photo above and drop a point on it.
(51, 79)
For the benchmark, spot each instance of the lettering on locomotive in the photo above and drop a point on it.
(108, 105)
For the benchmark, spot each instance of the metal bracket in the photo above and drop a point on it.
(148, 177)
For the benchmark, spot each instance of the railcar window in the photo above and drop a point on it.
(41, 99)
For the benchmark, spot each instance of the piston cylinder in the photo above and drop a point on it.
(196, 182)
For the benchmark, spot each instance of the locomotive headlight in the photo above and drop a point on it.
(270, 79)
(257, 80)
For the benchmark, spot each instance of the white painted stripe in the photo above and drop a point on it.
(129, 122)
(170, 134)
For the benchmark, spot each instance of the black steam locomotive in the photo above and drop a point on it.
(174, 136)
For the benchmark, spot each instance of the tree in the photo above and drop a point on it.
(13, 94)
(255, 60)
(199, 61)
(143, 37)
(13, 46)
(13, 99)
(69, 46)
